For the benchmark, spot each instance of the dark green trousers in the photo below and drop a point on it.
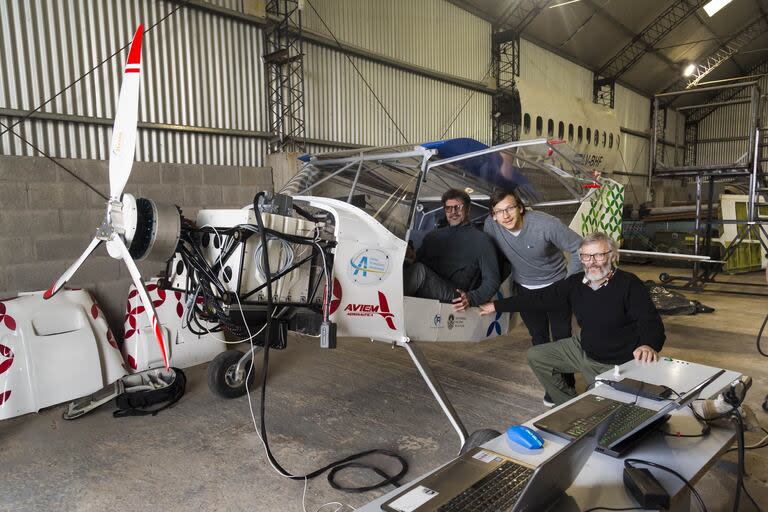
(550, 360)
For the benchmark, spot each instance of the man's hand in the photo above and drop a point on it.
(461, 303)
(487, 309)
(645, 354)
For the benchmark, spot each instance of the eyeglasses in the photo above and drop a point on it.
(599, 257)
(506, 211)
(453, 208)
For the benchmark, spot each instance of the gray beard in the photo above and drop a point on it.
(602, 274)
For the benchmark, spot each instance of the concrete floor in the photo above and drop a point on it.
(322, 405)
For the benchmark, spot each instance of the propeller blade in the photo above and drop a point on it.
(123, 144)
(67, 275)
(149, 309)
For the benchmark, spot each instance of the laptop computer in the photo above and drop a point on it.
(482, 479)
(629, 425)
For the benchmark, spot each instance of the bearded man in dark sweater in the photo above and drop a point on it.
(457, 263)
(613, 308)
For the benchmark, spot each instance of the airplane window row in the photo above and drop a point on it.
(595, 137)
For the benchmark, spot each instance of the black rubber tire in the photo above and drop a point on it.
(217, 375)
(479, 437)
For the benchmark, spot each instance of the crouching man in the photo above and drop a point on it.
(613, 308)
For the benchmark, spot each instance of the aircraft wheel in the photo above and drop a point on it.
(479, 437)
(221, 375)
(664, 277)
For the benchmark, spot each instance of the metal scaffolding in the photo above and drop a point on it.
(746, 169)
(506, 67)
(284, 63)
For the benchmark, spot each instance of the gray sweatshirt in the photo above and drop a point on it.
(536, 254)
(466, 257)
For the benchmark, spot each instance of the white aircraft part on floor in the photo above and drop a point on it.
(140, 350)
(53, 351)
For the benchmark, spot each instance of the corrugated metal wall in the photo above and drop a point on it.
(433, 34)
(728, 122)
(202, 77)
(341, 108)
(203, 99)
(543, 66)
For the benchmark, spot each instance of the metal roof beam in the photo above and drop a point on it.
(643, 42)
(725, 95)
(722, 54)
(521, 13)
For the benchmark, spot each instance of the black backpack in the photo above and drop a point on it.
(149, 392)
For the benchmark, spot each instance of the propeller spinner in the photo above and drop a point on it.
(139, 222)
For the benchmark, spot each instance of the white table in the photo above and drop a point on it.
(601, 483)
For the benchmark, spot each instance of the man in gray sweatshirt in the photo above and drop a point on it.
(534, 243)
(456, 263)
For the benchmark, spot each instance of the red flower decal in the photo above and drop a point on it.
(6, 319)
(111, 339)
(95, 311)
(4, 396)
(7, 353)
(132, 362)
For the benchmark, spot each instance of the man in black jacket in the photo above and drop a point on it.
(457, 263)
(613, 308)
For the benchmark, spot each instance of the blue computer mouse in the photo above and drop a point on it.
(524, 436)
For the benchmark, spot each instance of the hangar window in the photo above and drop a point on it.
(603, 139)
(610, 141)
(581, 134)
(527, 123)
(561, 130)
(550, 128)
(570, 132)
(539, 125)
(589, 135)
(597, 138)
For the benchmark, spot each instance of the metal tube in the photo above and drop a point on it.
(652, 148)
(354, 183)
(332, 175)
(753, 177)
(698, 213)
(717, 104)
(492, 149)
(704, 89)
(437, 391)
(665, 255)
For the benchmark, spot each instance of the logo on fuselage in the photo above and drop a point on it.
(369, 266)
(381, 309)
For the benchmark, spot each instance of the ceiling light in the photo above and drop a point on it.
(715, 5)
(689, 69)
(564, 3)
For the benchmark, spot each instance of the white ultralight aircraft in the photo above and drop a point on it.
(322, 257)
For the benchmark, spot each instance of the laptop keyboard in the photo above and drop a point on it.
(626, 419)
(497, 491)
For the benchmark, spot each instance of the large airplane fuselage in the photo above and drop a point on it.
(592, 130)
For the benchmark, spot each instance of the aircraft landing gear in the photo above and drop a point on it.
(227, 373)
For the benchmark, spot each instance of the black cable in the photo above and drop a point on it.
(333, 466)
(760, 335)
(628, 462)
(360, 74)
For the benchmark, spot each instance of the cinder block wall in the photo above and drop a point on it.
(47, 218)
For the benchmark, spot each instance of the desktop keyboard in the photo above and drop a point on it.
(626, 419)
(497, 491)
